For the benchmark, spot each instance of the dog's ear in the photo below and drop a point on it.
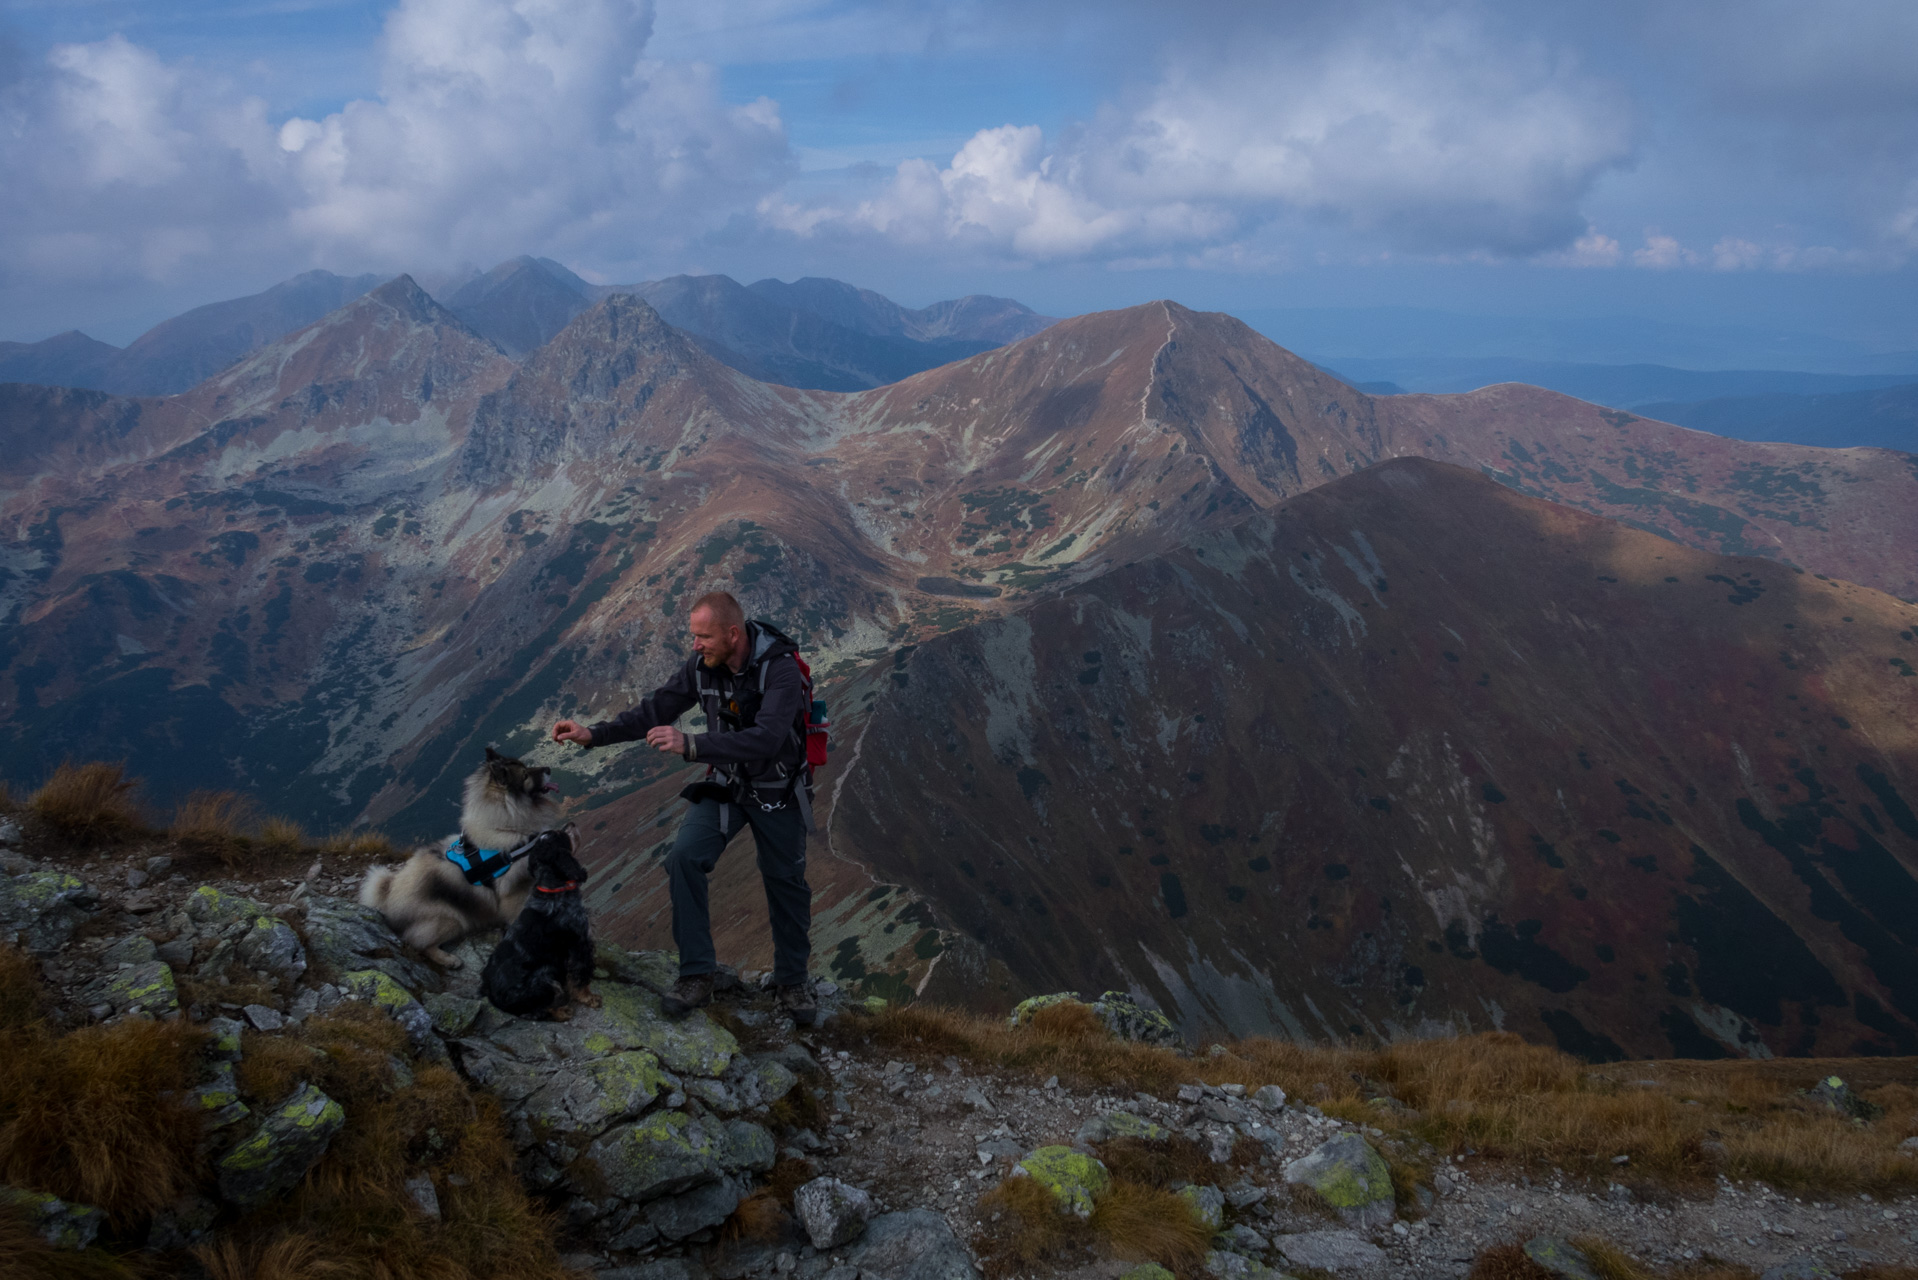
(492, 755)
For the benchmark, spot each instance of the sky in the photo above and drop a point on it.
(1746, 166)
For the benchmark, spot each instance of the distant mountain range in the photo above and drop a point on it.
(811, 333)
(1355, 738)
(1885, 419)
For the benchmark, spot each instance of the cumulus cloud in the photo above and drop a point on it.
(1433, 135)
(499, 125)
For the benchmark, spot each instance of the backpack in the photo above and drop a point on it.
(818, 723)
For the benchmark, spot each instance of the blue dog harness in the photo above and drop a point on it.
(482, 867)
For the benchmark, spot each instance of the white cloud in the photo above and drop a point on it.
(500, 125)
(1662, 253)
(1439, 138)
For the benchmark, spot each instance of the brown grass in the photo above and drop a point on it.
(1492, 1093)
(759, 1216)
(23, 1001)
(26, 1255)
(360, 848)
(282, 836)
(81, 1115)
(799, 1109)
(213, 822)
(1023, 1228)
(352, 1211)
(281, 1257)
(88, 803)
(788, 1175)
(1149, 1224)
(1157, 1164)
(1506, 1262)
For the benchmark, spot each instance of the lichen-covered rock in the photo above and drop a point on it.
(915, 1245)
(678, 1216)
(833, 1213)
(1842, 1098)
(1560, 1258)
(272, 1159)
(1208, 1204)
(142, 988)
(270, 946)
(453, 1016)
(1127, 1019)
(219, 1098)
(1147, 1271)
(1023, 1011)
(657, 971)
(135, 948)
(342, 936)
(757, 1081)
(378, 988)
(748, 1146)
(40, 910)
(1120, 1124)
(1072, 1178)
(210, 906)
(664, 1152)
(1352, 1178)
(630, 1017)
(61, 1224)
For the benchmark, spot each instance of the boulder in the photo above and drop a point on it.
(1560, 1258)
(1270, 1097)
(1072, 1178)
(689, 1212)
(917, 1244)
(1332, 1251)
(271, 947)
(657, 971)
(342, 936)
(40, 910)
(1208, 1204)
(135, 948)
(142, 988)
(223, 1039)
(1842, 1098)
(1023, 1011)
(272, 1159)
(1120, 1124)
(832, 1212)
(1243, 1239)
(453, 1016)
(668, 1151)
(1127, 1019)
(182, 1224)
(63, 1225)
(1351, 1177)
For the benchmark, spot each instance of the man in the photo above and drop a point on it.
(746, 678)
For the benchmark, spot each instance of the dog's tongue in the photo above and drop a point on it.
(552, 786)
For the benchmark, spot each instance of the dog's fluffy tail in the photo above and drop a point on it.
(374, 888)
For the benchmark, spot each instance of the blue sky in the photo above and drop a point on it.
(1746, 165)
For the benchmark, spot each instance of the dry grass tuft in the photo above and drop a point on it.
(799, 1109)
(1610, 1261)
(289, 1256)
(1024, 1228)
(788, 1175)
(1149, 1224)
(23, 1001)
(1506, 1262)
(213, 823)
(88, 803)
(81, 1116)
(759, 1216)
(360, 848)
(1068, 1021)
(282, 836)
(1157, 1164)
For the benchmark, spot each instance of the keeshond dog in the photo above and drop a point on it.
(428, 900)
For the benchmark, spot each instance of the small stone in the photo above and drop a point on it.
(419, 1189)
(1119, 1124)
(1270, 1097)
(832, 1212)
(1241, 1194)
(976, 1100)
(264, 1018)
(136, 879)
(159, 864)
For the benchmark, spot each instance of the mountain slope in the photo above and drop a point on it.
(1410, 751)
(973, 318)
(521, 303)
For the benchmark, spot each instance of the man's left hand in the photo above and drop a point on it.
(667, 739)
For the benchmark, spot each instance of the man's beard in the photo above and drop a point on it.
(714, 661)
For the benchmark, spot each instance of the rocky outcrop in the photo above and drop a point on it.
(1122, 1015)
(271, 1160)
(1073, 1178)
(61, 1224)
(40, 910)
(1351, 1177)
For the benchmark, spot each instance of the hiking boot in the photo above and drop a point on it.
(687, 995)
(797, 1003)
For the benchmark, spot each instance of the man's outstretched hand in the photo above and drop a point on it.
(667, 739)
(573, 731)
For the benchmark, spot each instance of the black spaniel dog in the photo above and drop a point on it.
(545, 962)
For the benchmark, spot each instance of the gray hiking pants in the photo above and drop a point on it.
(779, 837)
